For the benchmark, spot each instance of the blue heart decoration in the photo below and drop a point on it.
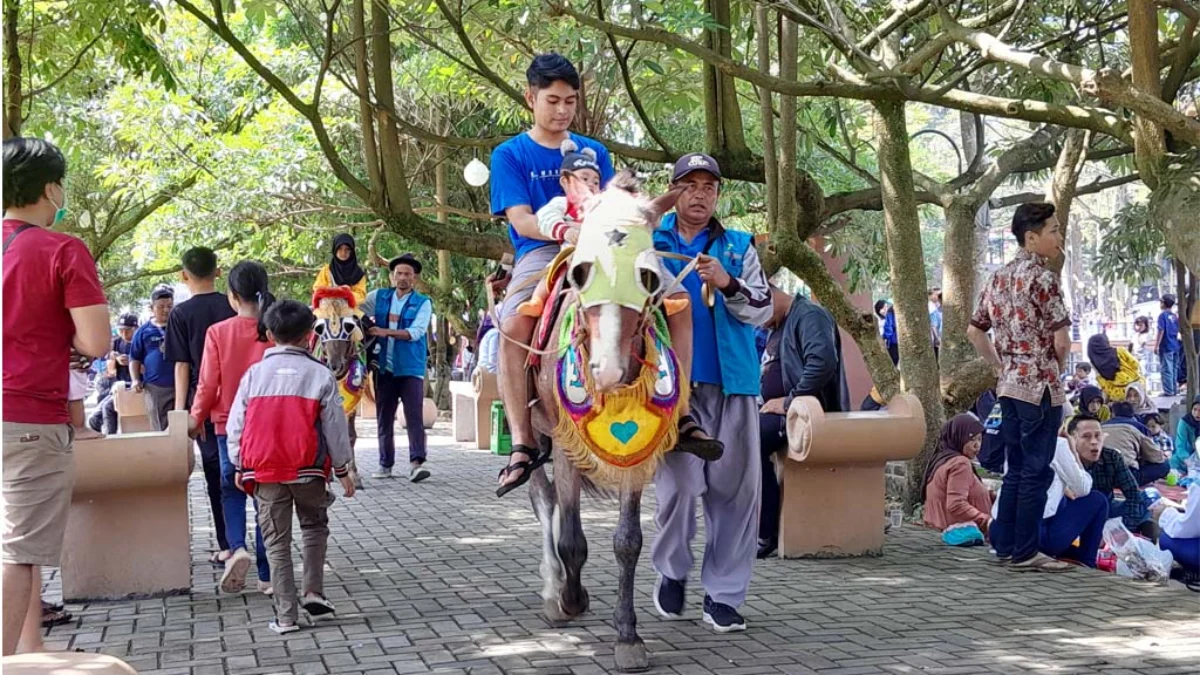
(623, 431)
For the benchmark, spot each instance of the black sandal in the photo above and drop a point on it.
(215, 560)
(525, 466)
(55, 617)
(707, 449)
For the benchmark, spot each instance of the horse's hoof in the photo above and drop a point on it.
(631, 657)
(554, 611)
(577, 605)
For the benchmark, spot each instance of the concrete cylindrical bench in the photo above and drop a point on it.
(131, 410)
(471, 406)
(833, 476)
(65, 663)
(128, 531)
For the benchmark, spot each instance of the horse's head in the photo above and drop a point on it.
(338, 329)
(616, 275)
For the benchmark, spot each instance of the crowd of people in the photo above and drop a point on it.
(269, 423)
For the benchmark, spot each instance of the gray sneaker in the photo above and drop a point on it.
(418, 474)
(383, 473)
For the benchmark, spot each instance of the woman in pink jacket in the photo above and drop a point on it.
(953, 493)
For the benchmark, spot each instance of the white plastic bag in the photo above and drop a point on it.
(1137, 557)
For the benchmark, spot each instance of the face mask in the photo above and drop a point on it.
(61, 211)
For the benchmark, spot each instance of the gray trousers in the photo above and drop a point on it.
(730, 489)
(275, 504)
(159, 402)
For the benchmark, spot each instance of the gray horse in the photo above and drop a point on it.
(613, 268)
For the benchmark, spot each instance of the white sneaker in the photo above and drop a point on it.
(382, 473)
(283, 628)
(233, 580)
(418, 474)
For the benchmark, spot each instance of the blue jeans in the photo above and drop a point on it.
(1029, 432)
(1147, 473)
(233, 504)
(1186, 551)
(1168, 369)
(1083, 518)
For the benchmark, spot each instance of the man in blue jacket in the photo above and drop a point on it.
(401, 317)
(724, 401)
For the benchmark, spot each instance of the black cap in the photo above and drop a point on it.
(575, 159)
(160, 292)
(127, 320)
(696, 161)
(406, 259)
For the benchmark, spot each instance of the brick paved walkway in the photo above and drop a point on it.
(428, 578)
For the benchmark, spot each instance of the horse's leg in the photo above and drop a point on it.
(630, 653)
(545, 503)
(569, 540)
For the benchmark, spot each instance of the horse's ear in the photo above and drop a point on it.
(664, 202)
(627, 180)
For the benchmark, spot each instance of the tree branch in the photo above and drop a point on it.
(1097, 119)
(623, 64)
(1091, 188)
(483, 69)
(73, 64)
(126, 224)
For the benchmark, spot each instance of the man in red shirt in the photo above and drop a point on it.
(52, 303)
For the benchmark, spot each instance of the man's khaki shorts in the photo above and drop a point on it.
(39, 473)
(520, 289)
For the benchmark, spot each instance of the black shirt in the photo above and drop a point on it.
(772, 368)
(120, 346)
(186, 328)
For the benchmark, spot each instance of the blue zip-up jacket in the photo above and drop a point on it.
(741, 307)
(408, 356)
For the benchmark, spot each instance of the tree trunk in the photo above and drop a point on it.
(958, 283)
(1187, 296)
(441, 394)
(1149, 144)
(733, 136)
(366, 113)
(395, 183)
(902, 229)
(1066, 178)
(762, 18)
(786, 195)
(12, 71)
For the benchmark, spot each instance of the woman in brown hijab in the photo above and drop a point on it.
(953, 493)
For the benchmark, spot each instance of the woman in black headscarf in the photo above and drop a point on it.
(343, 269)
(1116, 369)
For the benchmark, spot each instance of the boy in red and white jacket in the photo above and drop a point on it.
(287, 432)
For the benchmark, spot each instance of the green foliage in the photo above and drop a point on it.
(1130, 248)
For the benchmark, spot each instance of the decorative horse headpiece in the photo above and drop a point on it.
(334, 308)
(614, 261)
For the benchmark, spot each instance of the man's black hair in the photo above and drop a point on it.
(1155, 417)
(1121, 408)
(289, 321)
(1081, 417)
(30, 164)
(1030, 218)
(549, 68)
(161, 291)
(1084, 366)
(200, 262)
(1168, 301)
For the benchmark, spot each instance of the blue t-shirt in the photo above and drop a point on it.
(525, 173)
(148, 348)
(1168, 327)
(706, 367)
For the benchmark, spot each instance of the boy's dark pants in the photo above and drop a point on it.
(275, 504)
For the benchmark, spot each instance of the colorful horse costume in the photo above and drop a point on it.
(340, 343)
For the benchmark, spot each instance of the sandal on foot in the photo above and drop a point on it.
(1041, 562)
(55, 617)
(525, 466)
(216, 560)
(690, 440)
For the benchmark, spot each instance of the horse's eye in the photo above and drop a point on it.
(319, 327)
(650, 280)
(581, 275)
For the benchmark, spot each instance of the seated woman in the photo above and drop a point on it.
(1091, 401)
(1179, 531)
(343, 269)
(953, 493)
(1135, 395)
(1187, 435)
(1116, 369)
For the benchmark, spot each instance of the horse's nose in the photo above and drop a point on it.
(607, 376)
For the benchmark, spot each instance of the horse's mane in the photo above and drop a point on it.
(622, 202)
(333, 301)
